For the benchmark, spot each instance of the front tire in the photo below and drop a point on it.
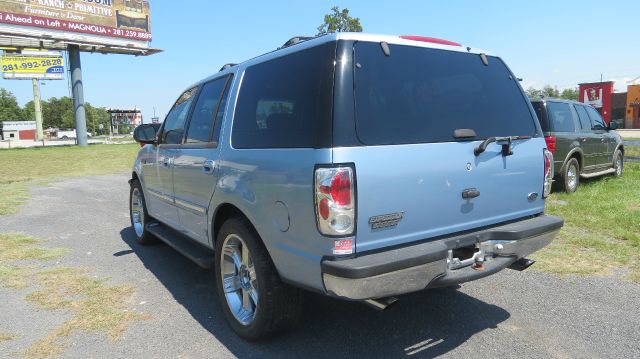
(256, 303)
(571, 175)
(138, 213)
(618, 163)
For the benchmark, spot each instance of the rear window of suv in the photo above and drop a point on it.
(421, 95)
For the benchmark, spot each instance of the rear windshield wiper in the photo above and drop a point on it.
(506, 147)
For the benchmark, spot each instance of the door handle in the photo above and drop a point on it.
(167, 162)
(208, 166)
(583, 139)
(602, 140)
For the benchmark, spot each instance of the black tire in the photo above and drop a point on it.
(570, 177)
(279, 305)
(618, 163)
(142, 234)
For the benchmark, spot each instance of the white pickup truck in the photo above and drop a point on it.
(68, 134)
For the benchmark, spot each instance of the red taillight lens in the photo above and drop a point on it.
(341, 189)
(323, 208)
(551, 143)
(432, 40)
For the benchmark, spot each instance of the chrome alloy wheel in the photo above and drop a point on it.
(619, 165)
(239, 279)
(572, 176)
(137, 212)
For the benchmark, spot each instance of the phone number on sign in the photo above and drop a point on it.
(31, 65)
(132, 34)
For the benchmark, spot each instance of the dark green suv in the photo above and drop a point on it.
(583, 145)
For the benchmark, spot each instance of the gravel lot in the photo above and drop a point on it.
(511, 314)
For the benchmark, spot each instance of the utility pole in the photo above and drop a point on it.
(78, 95)
(38, 109)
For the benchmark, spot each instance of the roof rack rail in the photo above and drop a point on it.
(296, 40)
(226, 66)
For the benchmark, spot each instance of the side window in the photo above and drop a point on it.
(222, 109)
(203, 115)
(596, 120)
(585, 123)
(174, 124)
(286, 102)
(561, 117)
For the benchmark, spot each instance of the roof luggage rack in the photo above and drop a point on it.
(226, 66)
(296, 40)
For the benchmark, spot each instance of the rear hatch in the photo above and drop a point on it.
(411, 170)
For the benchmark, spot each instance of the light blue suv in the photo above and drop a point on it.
(358, 166)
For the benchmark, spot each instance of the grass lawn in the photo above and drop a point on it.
(632, 151)
(602, 228)
(20, 166)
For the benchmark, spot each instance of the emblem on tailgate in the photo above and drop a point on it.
(386, 220)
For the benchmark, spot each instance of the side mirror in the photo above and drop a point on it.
(613, 125)
(145, 134)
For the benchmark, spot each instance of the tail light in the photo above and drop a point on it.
(548, 173)
(335, 201)
(551, 143)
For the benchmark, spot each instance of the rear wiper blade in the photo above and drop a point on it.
(506, 147)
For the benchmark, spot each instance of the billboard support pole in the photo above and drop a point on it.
(38, 110)
(78, 95)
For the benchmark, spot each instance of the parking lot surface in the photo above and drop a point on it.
(512, 314)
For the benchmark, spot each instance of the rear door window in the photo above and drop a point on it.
(561, 117)
(421, 95)
(597, 122)
(203, 116)
(585, 122)
(286, 102)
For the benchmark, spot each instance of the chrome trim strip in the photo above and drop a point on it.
(160, 195)
(194, 208)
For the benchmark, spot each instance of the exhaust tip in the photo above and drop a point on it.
(522, 264)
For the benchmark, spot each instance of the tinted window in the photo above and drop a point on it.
(596, 120)
(202, 118)
(561, 117)
(585, 123)
(286, 102)
(419, 95)
(541, 112)
(174, 124)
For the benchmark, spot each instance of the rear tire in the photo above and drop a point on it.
(618, 163)
(256, 303)
(570, 178)
(138, 213)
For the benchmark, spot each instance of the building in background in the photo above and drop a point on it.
(19, 130)
(632, 118)
(124, 121)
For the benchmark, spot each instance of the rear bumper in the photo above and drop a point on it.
(431, 265)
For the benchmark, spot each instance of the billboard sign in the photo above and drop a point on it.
(598, 95)
(114, 21)
(48, 65)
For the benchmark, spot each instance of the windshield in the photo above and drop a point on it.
(420, 95)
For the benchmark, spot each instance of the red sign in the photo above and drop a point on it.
(598, 95)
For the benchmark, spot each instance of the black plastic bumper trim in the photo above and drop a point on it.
(369, 265)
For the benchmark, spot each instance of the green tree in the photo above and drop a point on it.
(339, 21)
(58, 113)
(9, 108)
(570, 94)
